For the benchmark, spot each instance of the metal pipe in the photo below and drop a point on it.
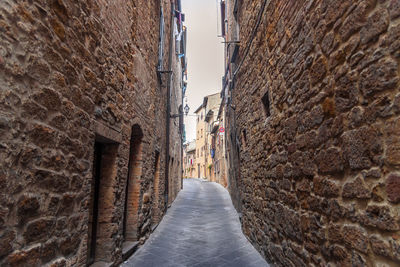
(168, 119)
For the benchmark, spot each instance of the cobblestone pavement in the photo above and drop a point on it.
(201, 228)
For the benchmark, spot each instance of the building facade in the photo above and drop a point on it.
(206, 114)
(311, 95)
(200, 143)
(218, 151)
(90, 150)
(189, 160)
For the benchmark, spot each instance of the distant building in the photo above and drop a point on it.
(189, 151)
(206, 113)
(218, 147)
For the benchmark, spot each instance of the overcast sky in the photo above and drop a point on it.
(205, 56)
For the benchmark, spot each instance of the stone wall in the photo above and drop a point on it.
(75, 75)
(320, 163)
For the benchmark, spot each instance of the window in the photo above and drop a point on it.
(266, 104)
(244, 138)
(223, 18)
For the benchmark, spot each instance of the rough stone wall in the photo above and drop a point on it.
(320, 176)
(72, 73)
(175, 177)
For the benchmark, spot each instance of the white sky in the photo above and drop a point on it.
(205, 55)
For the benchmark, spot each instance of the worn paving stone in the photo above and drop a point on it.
(200, 229)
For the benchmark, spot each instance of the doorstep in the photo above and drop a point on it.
(101, 264)
(128, 248)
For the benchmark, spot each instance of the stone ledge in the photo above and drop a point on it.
(101, 264)
(107, 133)
(128, 248)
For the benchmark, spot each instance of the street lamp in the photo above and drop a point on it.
(186, 109)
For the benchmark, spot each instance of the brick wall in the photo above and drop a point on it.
(73, 73)
(320, 167)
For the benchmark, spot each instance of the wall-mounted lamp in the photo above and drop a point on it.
(186, 110)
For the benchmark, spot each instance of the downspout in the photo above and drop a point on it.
(182, 159)
(168, 117)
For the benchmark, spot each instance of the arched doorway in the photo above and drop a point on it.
(132, 195)
(156, 186)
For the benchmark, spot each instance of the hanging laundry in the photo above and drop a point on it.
(175, 27)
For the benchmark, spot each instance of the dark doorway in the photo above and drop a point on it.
(94, 199)
(101, 200)
(198, 170)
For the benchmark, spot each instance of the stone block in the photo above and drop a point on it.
(354, 21)
(378, 193)
(335, 234)
(325, 188)
(330, 160)
(318, 70)
(29, 257)
(42, 136)
(339, 253)
(356, 189)
(51, 181)
(393, 188)
(379, 76)
(359, 147)
(355, 237)
(69, 244)
(27, 207)
(67, 204)
(394, 9)
(376, 24)
(373, 173)
(48, 251)
(380, 247)
(48, 98)
(7, 239)
(38, 230)
(380, 217)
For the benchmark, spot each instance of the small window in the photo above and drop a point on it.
(235, 8)
(266, 104)
(244, 138)
(223, 18)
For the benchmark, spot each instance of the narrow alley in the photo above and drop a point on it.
(201, 228)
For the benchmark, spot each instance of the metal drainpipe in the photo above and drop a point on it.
(182, 133)
(168, 118)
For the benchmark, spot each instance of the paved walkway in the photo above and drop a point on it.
(200, 229)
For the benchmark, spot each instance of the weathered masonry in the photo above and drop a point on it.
(86, 93)
(318, 182)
